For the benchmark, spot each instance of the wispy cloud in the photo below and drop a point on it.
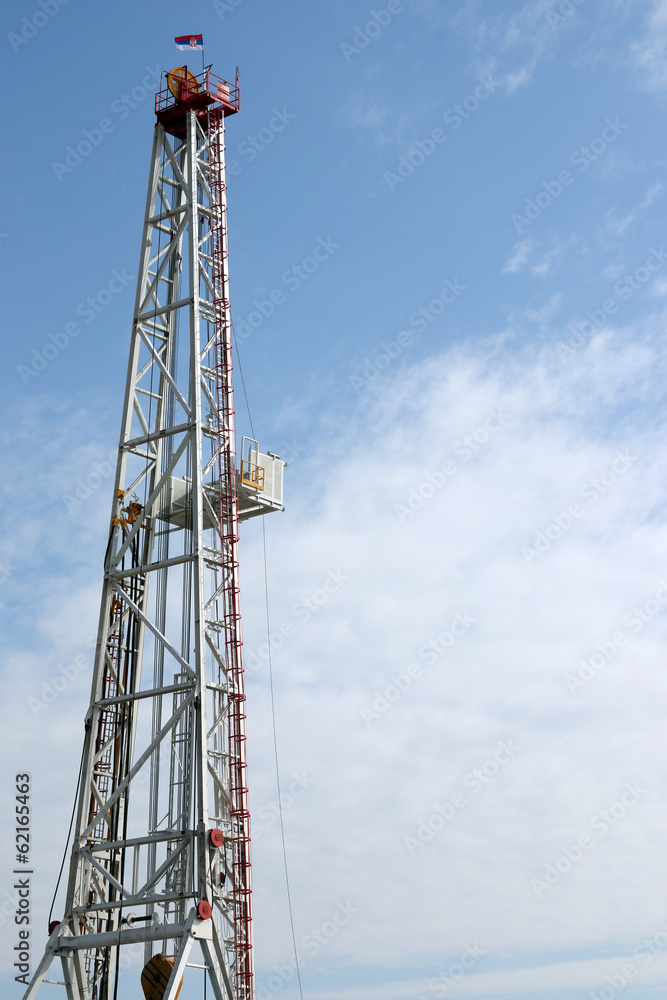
(660, 287)
(520, 256)
(653, 192)
(649, 53)
(547, 262)
(475, 499)
(617, 224)
(547, 312)
(598, 976)
(511, 46)
(384, 125)
(527, 250)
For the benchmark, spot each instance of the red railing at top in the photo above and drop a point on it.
(196, 90)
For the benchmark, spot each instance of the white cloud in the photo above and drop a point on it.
(462, 551)
(546, 313)
(523, 982)
(618, 225)
(649, 53)
(545, 264)
(549, 261)
(511, 46)
(521, 253)
(385, 125)
(653, 192)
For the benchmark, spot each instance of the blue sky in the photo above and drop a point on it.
(463, 206)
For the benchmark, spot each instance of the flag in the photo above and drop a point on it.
(189, 43)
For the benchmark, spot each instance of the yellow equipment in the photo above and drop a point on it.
(155, 977)
(177, 77)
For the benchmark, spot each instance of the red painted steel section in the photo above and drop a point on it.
(208, 95)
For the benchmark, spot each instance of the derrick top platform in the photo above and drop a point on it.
(208, 95)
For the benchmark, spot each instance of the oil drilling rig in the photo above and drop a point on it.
(160, 855)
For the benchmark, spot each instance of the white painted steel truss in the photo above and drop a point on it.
(164, 754)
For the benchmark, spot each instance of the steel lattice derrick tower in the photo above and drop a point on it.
(161, 845)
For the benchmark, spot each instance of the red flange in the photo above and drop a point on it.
(217, 838)
(53, 925)
(204, 910)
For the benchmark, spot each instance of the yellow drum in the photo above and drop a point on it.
(176, 78)
(155, 977)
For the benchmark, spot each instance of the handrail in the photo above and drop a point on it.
(206, 88)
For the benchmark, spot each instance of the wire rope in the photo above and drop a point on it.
(69, 834)
(273, 701)
(275, 754)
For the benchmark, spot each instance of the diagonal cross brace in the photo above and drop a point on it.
(137, 767)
